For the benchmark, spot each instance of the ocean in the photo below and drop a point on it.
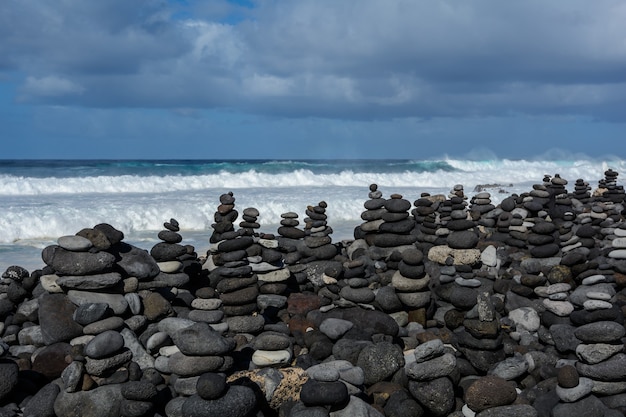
(42, 200)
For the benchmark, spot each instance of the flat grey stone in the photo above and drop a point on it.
(116, 302)
(90, 282)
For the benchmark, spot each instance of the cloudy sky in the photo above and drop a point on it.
(312, 78)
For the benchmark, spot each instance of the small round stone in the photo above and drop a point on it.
(211, 385)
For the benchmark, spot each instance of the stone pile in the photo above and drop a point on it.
(457, 310)
(432, 373)
(426, 217)
(411, 284)
(289, 237)
(611, 191)
(582, 191)
(372, 216)
(397, 225)
(480, 206)
(317, 241)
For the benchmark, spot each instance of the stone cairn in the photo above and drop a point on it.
(396, 228)
(582, 191)
(609, 188)
(425, 215)
(512, 310)
(317, 240)
(372, 216)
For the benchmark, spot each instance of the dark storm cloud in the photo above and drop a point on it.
(359, 60)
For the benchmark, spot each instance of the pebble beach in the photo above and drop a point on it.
(458, 304)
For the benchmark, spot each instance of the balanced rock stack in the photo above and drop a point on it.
(224, 217)
(397, 225)
(518, 311)
(609, 188)
(536, 201)
(561, 204)
(274, 278)
(589, 225)
(600, 331)
(433, 375)
(212, 395)
(169, 254)
(411, 284)
(618, 244)
(480, 206)
(372, 216)
(355, 289)
(230, 272)
(543, 239)
(249, 224)
(555, 185)
(519, 226)
(457, 191)
(459, 284)
(290, 235)
(333, 385)
(463, 233)
(582, 191)
(425, 215)
(317, 240)
(574, 393)
(480, 337)
(568, 240)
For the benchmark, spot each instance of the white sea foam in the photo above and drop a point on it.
(36, 210)
(469, 173)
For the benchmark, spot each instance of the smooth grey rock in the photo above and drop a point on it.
(72, 376)
(102, 401)
(200, 339)
(90, 282)
(136, 262)
(134, 302)
(186, 366)
(56, 313)
(356, 407)
(42, 403)
(613, 369)
(600, 332)
(171, 325)
(65, 262)
(335, 328)
(569, 395)
(238, 401)
(140, 355)
(104, 344)
(590, 406)
(8, 377)
(75, 243)
(110, 323)
(438, 367)
(429, 350)
(116, 302)
(90, 312)
(271, 341)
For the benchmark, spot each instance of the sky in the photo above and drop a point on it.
(218, 79)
